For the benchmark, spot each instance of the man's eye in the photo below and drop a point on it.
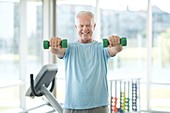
(80, 25)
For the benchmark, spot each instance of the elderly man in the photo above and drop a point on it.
(86, 67)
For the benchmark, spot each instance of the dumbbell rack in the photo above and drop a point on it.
(124, 95)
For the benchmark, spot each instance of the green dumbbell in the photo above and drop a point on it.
(123, 42)
(63, 44)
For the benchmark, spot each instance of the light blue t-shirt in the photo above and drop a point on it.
(86, 75)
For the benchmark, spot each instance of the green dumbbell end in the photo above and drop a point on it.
(64, 43)
(46, 44)
(105, 43)
(123, 41)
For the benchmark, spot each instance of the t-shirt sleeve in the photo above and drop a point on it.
(106, 53)
(67, 52)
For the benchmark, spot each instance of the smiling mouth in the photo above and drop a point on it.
(85, 33)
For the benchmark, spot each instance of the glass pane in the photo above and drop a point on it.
(34, 37)
(131, 62)
(161, 41)
(127, 18)
(34, 46)
(9, 99)
(143, 96)
(9, 38)
(9, 56)
(66, 11)
(9, 47)
(160, 97)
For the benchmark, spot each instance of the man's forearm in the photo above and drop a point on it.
(58, 52)
(114, 50)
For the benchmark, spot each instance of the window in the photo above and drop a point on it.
(11, 63)
(160, 55)
(9, 56)
(127, 18)
(34, 37)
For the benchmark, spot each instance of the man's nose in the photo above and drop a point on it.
(85, 28)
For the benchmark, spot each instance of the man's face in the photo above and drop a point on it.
(85, 28)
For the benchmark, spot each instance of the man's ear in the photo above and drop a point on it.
(75, 26)
(94, 25)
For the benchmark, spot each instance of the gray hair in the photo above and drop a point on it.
(84, 12)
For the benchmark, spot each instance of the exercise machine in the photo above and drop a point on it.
(39, 86)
